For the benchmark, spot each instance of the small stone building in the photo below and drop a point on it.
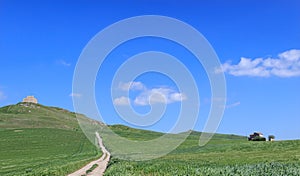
(256, 136)
(30, 99)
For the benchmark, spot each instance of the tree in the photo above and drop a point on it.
(271, 137)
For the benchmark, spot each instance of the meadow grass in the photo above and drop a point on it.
(223, 155)
(40, 140)
(44, 151)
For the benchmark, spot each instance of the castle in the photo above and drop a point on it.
(30, 99)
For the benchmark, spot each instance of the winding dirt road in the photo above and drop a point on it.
(102, 162)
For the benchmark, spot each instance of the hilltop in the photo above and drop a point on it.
(30, 115)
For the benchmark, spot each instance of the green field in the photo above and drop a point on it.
(40, 140)
(223, 155)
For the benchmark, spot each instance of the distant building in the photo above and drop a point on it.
(30, 99)
(256, 136)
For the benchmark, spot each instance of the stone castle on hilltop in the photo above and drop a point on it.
(30, 99)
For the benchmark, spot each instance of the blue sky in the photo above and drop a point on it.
(257, 43)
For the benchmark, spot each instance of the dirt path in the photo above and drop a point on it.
(102, 162)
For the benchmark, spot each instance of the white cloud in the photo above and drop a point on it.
(77, 95)
(63, 63)
(177, 97)
(286, 64)
(233, 105)
(2, 96)
(131, 86)
(159, 95)
(122, 101)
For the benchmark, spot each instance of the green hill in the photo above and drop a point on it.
(29, 115)
(41, 140)
(223, 155)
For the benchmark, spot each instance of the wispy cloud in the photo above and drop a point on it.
(77, 95)
(162, 94)
(286, 64)
(63, 63)
(233, 105)
(122, 101)
(2, 96)
(131, 86)
(159, 95)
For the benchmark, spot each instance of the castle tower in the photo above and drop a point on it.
(30, 99)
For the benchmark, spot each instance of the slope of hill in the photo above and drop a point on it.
(29, 115)
(41, 140)
(223, 155)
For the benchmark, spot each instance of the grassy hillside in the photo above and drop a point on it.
(41, 140)
(28, 115)
(223, 155)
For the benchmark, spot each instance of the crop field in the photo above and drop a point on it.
(223, 155)
(39, 140)
(43, 151)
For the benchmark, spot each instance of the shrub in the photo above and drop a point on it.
(271, 137)
(258, 138)
(92, 168)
